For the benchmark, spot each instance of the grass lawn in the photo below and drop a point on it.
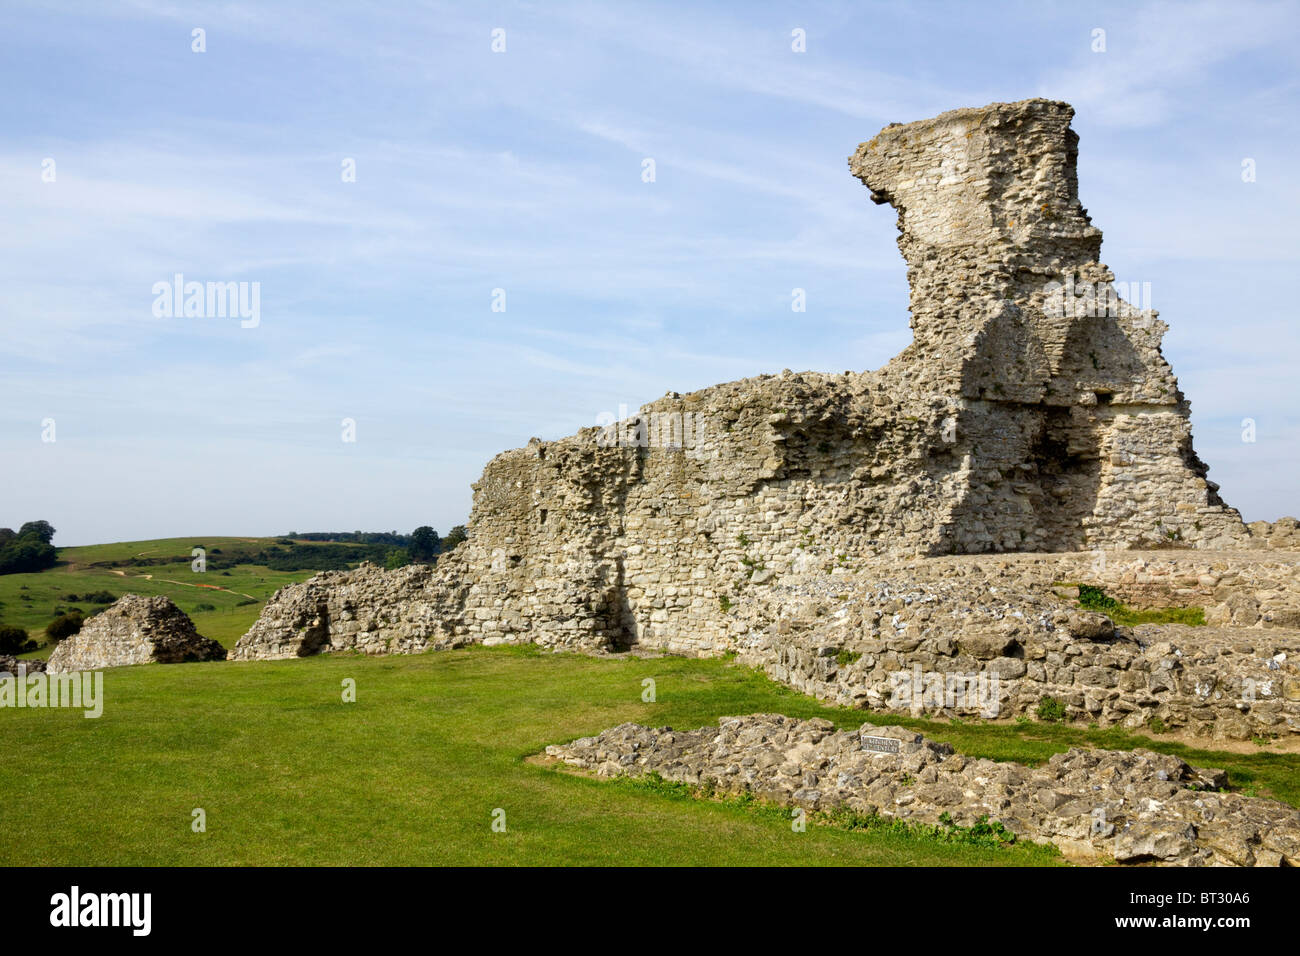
(411, 773)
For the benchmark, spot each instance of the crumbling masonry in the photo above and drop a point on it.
(1033, 412)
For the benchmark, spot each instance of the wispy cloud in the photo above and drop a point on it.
(522, 172)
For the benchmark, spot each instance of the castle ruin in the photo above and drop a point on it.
(1023, 417)
(1032, 422)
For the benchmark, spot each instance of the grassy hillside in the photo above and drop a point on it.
(224, 601)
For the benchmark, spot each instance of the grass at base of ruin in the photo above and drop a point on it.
(1093, 598)
(411, 773)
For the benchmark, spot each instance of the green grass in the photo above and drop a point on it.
(983, 833)
(845, 657)
(170, 549)
(1273, 775)
(1127, 617)
(1096, 599)
(410, 773)
(29, 600)
(1050, 709)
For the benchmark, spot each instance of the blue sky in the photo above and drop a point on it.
(522, 171)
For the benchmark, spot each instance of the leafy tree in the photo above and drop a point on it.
(454, 537)
(390, 538)
(29, 549)
(397, 558)
(23, 554)
(65, 625)
(14, 640)
(42, 530)
(94, 597)
(424, 543)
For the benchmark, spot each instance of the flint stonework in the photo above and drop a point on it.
(134, 630)
(836, 530)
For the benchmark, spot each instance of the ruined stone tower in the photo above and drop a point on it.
(1070, 428)
(1019, 419)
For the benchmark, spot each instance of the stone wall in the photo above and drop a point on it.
(134, 630)
(929, 638)
(1280, 535)
(1071, 429)
(1133, 807)
(1012, 423)
(10, 665)
(369, 610)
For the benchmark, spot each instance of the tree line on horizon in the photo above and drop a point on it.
(424, 545)
(302, 551)
(392, 550)
(30, 549)
(27, 549)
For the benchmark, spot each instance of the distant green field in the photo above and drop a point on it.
(237, 594)
(174, 549)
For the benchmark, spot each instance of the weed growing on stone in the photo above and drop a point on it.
(1051, 710)
(1092, 598)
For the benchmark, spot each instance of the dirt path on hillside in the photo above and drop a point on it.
(205, 587)
(186, 584)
